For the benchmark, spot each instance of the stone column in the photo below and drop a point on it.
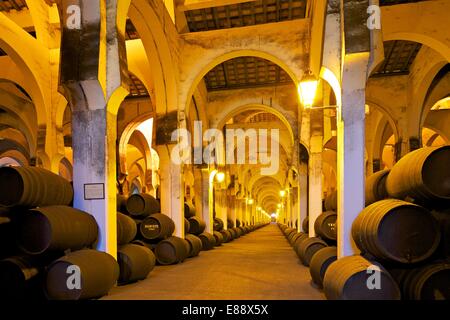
(315, 182)
(231, 209)
(221, 204)
(172, 189)
(92, 81)
(203, 199)
(303, 197)
(350, 119)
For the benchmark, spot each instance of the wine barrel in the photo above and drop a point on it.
(156, 226)
(320, 262)
(291, 235)
(242, 230)
(126, 229)
(376, 186)
(21, 276)
(142, 205)
(98, 274)
(422, 174)
(396, 230)
(189, 210)
(430, 282)
(195, 245)
(150, 246)
(208, 240)
(233, 234)
(325, 225)
(121, 203)
(238, 232)
(443, 219)
(218, 224)
(56, 228)
(230, 224)
(32, 187)
(226, 235)
(331, 201)
(348, 278)
(307, 248)
(187, 226)
(305, 225)
(197, 225)
(172, 250)
(238, 223)
(288, 231)
(219, 238)
(295, 237)
(135, 263)
(302, 236)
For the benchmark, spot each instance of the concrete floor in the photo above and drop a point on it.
(260, 265)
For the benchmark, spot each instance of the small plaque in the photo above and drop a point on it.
(94, 191)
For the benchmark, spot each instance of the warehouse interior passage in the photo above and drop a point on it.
(224, 149)
(258, 265)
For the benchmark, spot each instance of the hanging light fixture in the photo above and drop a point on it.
(220, 176)
(307, 89)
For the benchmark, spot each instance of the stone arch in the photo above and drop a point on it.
(233, 110)
(208, 64)
(155, 27)
(29, 55)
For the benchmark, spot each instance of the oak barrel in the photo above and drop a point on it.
(135, 263)
(32, 187)
(142, 205)
(56, 228)
(353, 278)
(196, 225)
(219, 238)
(156, 226)
(376, 186)
(308, 247)
(325, 225)
(98, 270)
(172, 250)
(396, 230)
(422, 174)
(195, 245)
(126, 229)
(320, 262)
(208, 240)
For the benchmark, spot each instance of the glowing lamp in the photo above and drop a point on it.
(307, 89)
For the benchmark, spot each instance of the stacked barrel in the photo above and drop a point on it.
(403, 235)
(46, 241)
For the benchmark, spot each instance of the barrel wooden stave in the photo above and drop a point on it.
(157, 226)
(32, 187)
(142, 205)
(126, 229)
(172, 250)
(135, 263)
(347, 279)
(196, 225)
(195, 244)
(325, 225)
(421, 174)
(414, 229)
(375, 189)
(208, 240)
(307, 248)
(320, 262)
(99, 273)
(53, 228)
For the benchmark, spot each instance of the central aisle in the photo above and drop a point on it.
(258, 265)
